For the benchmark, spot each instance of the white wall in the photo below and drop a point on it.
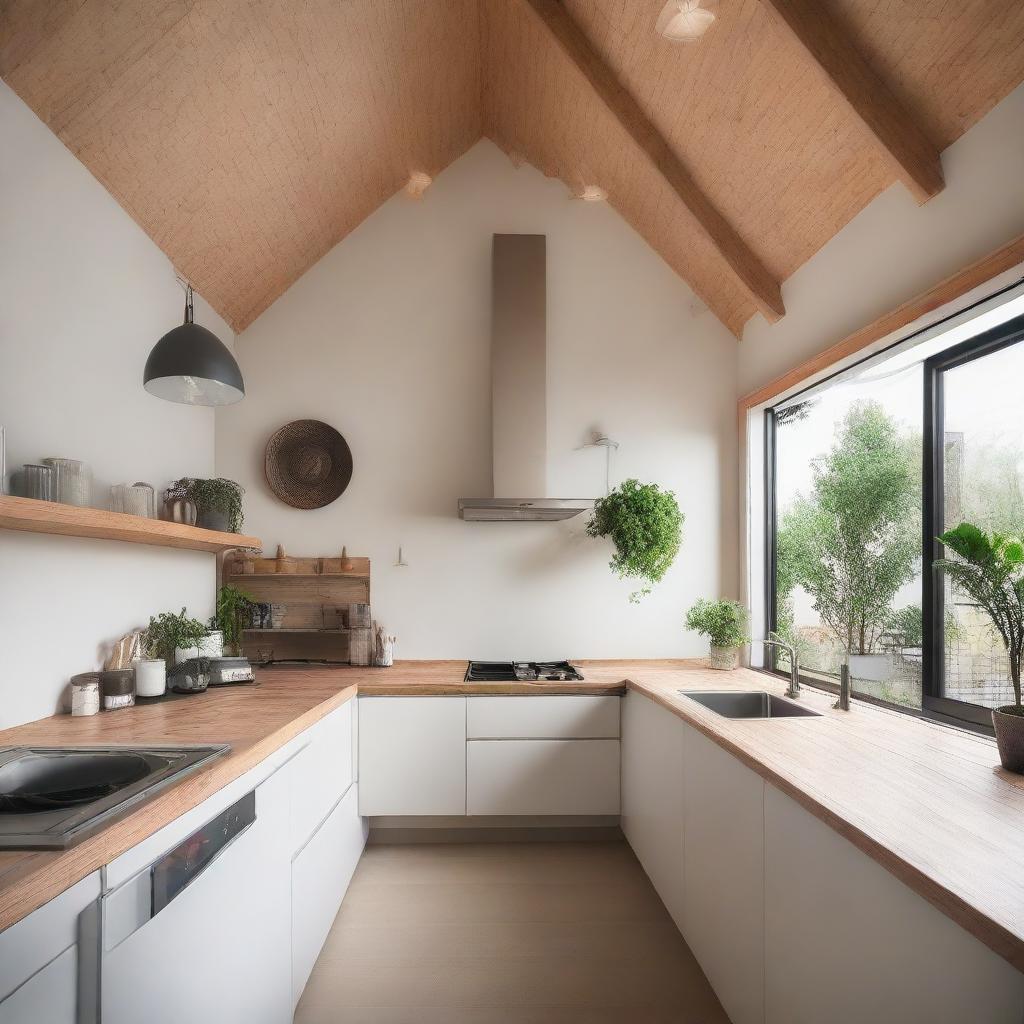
(895, 249)
(85, 296)
(387, 338)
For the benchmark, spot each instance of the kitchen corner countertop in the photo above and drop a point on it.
(927, 802)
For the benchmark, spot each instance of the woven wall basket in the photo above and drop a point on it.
(308, 464)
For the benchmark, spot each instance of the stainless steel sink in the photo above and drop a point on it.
(748, 704)
(51, 797)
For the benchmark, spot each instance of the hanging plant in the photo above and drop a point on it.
(646, 527)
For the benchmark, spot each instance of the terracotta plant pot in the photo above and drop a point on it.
(724, 659)
(1009, 738)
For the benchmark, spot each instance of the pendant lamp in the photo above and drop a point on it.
(192, 366)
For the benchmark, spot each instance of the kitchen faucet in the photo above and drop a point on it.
(793, 690)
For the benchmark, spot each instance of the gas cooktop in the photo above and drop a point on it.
(520, 671)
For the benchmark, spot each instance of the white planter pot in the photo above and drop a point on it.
(150, 677)
(211, 646)
(724, 659)
(874, 668)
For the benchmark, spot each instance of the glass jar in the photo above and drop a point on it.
(85, 694)
(73, 481)
(38, 482)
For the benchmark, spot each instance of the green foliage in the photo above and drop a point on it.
(218, 495)
(645, 525)
(233, 607)
(989, 569)
(908, 625)
(725, 623)
(852, 542)
(168, 631)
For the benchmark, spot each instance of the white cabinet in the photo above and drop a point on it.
(321, 772)
(545, 717)
(652, 795)
(321, 872)
(564, 777)
(412, 756)
(49, 997)
(847, 942)
(723, 874)
(39, 959)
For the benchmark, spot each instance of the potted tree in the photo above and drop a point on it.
(989, 569)
(852, 542)
(646, 527)
(726, 624)
(218, 502)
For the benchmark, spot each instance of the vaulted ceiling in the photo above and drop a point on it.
(248, 137)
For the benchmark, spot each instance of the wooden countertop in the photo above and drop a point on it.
(926, 801)
(255, 720)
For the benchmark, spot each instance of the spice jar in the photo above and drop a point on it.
(85, 694)
(118, 687)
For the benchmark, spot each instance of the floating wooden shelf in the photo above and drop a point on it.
(295, 629)
(32, 516)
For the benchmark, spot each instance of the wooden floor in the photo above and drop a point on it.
(518, 933)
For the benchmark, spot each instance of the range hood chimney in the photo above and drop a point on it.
(519, 389)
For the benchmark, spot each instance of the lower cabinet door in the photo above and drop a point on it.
(321, 872)
(723, 875)
(846, 942)
(652, 795)
(542, 777)
(48, 997)
(412, 756)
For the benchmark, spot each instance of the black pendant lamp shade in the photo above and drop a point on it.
(191, 365)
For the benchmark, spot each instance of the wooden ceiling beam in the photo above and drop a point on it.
(754, 277)
(903, 144)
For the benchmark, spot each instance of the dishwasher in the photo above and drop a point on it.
(202, 933)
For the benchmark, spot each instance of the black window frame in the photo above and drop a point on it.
(934, 704)
(934, 701)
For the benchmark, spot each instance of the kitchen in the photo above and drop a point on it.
(501, 308)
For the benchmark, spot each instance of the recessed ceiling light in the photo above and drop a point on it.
(417, 184)
(591, 194)
(684, 21)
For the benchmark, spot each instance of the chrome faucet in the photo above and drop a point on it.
(793, 689)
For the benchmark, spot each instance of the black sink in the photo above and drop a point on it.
(40, 781)
(51, 797)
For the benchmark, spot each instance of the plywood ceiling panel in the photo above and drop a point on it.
(247, 137)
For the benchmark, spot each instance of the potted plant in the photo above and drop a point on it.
(726, 624)
(645, 526)
(233, 609)
(989, 569)
(218, 502)
(174, 637)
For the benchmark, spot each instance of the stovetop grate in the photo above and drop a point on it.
(521, 671)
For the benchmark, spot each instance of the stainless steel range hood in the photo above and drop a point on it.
(519, 389)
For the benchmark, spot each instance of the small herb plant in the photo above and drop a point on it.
(168, 631)
(989, 569)
(233, 609)
(724, 623)
(646, 527)
(216, 495)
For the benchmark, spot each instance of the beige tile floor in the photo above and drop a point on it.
(517, 933)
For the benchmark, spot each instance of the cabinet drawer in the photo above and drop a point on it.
(38, 938)
(543, 776)
(412, 755)
(49, 997)
(542, 717)
(320, 876)
(321, 773)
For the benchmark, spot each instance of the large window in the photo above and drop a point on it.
(863, 474)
